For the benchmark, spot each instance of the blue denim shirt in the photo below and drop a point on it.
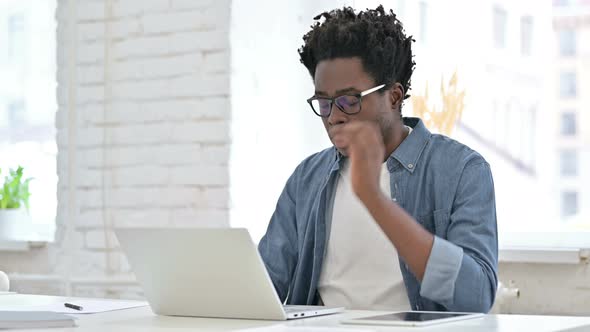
(443, 184)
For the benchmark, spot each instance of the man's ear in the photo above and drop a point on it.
(396, 94)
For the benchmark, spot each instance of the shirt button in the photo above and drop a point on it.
(394, 199)
(410, 165)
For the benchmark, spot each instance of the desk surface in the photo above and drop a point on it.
(142, 319)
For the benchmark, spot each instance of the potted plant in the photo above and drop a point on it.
(14, 205)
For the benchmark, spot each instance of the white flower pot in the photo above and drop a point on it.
(15, 224)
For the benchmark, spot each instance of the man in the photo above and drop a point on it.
(392, 217)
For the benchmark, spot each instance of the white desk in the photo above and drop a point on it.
(142, 319)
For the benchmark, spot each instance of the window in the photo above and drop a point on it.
(569, 203)
(423, 21)
(568, 124)
(16, 37)
(560, 3)
(567, 42)
(568, 162)
(400, 9)
(507, 115)
(16, 113)
(28, 103)
(499, 26)
(567, 84)
(526, 35)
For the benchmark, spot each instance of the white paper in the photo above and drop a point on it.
(88, 306)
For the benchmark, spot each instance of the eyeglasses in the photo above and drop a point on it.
(349, 104)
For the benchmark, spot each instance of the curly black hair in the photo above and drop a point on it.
(375, 36)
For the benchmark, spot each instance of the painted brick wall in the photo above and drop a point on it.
(143, 136)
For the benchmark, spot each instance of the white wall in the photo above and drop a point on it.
(143, 136)
(548, 289)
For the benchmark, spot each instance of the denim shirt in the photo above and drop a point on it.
(443, 184)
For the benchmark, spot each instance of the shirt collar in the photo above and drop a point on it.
(409, 151)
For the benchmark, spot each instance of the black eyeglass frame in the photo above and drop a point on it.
(332, 101)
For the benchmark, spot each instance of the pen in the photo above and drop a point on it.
(73, 306)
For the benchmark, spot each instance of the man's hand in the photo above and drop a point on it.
(363, 143)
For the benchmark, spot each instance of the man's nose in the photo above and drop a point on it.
(337, 116)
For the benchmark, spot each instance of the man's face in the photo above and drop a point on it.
(341, 76)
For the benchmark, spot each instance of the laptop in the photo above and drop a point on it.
(206, 272)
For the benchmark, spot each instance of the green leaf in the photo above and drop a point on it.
(14, 193)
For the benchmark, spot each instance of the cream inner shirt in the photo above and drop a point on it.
(361, 268)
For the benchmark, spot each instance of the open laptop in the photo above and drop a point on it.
(206, 272)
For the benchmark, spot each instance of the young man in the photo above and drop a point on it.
(392, 217)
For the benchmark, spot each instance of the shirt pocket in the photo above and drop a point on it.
(436, 222)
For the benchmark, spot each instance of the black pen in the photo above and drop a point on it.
(73, 306)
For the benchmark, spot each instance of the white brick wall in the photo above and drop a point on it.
(150, 140)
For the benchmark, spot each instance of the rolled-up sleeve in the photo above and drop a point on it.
(461, 272)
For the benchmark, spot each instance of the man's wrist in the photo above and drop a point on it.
(373, 198)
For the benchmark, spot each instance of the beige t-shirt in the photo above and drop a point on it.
(361, 268)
